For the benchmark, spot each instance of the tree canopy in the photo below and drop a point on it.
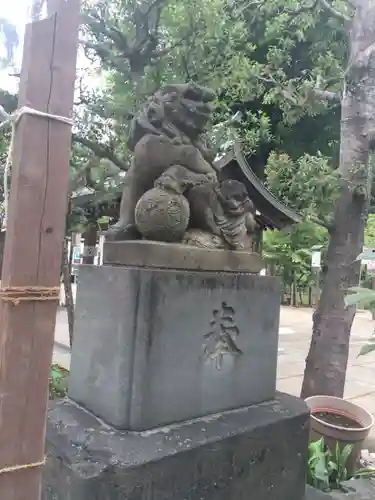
(262, 58)
(278, 63)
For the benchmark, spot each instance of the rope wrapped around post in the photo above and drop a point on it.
(13, 120)
(15, 468)
(17, 294)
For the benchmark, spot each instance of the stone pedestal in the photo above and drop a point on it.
(159, 346)
(173, 376)
(256, 453)
(159, 255)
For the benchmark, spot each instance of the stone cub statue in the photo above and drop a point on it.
(223, 209)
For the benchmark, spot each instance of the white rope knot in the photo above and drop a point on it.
(13, 119)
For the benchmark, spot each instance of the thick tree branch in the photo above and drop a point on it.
(81, 174)
(139, 52)
(326, 95)
(106, 56)
(337, 14)
(139, 55)
(102, 151)
(296, 99)
(325, 4)
(236, 9)
(321, 222)
(167, 50)
(158, 4)
(319, 94)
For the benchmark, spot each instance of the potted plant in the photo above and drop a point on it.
(327, 470)
(341, 423)
(328, 473)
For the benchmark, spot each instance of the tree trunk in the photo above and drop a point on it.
(328, 355)
(294, 291)
(89, 249)
(300, 293)
(69, 302)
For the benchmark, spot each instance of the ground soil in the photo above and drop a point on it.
(337, 419)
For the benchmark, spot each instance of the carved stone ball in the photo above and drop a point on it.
(162, 215)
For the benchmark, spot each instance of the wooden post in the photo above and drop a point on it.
(33, 246)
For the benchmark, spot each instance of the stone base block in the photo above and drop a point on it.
(156, 254)
(155, 346)
(256, 453)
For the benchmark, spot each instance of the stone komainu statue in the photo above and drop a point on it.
(171, 192)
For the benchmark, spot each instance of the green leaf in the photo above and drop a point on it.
(321, 471)
(367, 348)
(332, 466)
(316, 447)
(364, 472)
(344, 455)
(318, 464)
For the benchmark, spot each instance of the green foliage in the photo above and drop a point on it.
(265, 59)
(309, 184)
(94, 184)
(58, 381)
(289, 252)
(262, 58)
(326, 470)
(370, 231)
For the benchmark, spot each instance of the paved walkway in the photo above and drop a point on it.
(295, 335)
